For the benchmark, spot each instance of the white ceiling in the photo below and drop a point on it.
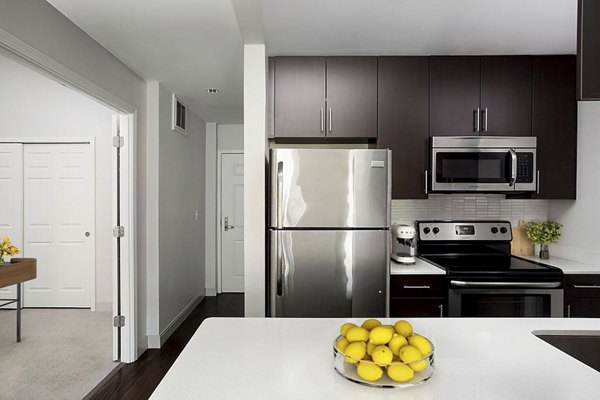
(190, 45)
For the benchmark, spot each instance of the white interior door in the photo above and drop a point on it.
(59, 224)
(11, 202)
(232, 222)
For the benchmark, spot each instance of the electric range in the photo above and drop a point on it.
(483, 278)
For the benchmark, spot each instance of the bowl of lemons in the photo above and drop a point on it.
(386, 356)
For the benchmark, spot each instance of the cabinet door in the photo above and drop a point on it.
(506, 95)
(588, 50)
(555, 126)
(415, 307)
(403, 115)
(455, 96)
(582, 296)
(352, 97)
(299, 97)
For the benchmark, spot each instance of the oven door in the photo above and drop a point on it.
(507, 302)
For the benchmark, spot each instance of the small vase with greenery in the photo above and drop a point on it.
(7, 249)
(543, 233)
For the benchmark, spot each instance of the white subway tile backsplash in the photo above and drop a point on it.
(461, 206)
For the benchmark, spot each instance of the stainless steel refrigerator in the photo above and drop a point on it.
(329, 232)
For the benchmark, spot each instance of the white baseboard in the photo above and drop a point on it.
(156, 341)
(211, 291)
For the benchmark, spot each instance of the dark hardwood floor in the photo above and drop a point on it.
(139, 379)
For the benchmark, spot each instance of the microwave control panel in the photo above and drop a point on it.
(525, 167)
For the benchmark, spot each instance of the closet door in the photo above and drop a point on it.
(59, 224)
(11, 209)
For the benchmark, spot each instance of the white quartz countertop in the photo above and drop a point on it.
(421, 267)
(285, 358)
(567, 266)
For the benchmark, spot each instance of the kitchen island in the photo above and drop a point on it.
(267, 358)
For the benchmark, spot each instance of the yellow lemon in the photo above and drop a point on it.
(369, 372)
(419, 365)
(380, 335)
(382, 355)
(400, 372)
(344, 328)
(391, 328)
(370, 348)
(409, 354)
(357, 334)
(396, 343)
(355, 351)
(370, 324)
(403, 328)
(342, 344)
(421, 343)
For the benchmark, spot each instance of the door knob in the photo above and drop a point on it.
(226, 224)
(87, 234)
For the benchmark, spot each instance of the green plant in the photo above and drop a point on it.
(543, 232)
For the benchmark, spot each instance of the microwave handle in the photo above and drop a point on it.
(513, 170)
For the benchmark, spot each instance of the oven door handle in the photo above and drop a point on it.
(466, 284)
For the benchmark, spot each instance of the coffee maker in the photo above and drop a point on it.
(403, 246)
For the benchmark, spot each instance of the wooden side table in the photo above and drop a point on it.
(16, 272)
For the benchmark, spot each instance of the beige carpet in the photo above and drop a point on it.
(64, 353)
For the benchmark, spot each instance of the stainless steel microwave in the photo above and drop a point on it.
(483, 164)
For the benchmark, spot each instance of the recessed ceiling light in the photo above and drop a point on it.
(212, 90)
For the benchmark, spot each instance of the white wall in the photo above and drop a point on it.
(255, 152)
(230, 137)
(580, 240)
(211, 209)
(44, 28)
(32, 105)
(180, 246)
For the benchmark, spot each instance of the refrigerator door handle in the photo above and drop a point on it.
(279, 188)
(279, 265)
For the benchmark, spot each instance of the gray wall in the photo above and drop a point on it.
(581, 218)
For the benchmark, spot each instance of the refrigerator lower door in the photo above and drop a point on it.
(329, 273)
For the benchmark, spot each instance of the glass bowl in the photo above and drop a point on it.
(348, 370)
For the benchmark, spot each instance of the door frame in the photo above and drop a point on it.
(22, 52)
(91, 141)
(219, 216)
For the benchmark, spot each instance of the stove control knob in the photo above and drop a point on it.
(426, 230)
(503, 230)
(436, 230)
(494, 230)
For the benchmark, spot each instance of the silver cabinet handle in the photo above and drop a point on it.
(441, 306)
(417, 287)
(586, 286)
(537, 188)
(506, 284)
(476, 113)
(322, 120)
(426, 182)
(485, 119)
(569, 311)
(513, 173)
(226, 224)
(329, 119)
(279, 266)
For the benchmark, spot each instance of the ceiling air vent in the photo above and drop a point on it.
(179, 123)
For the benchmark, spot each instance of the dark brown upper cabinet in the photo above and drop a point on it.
(555, 125)
(299, 97)
(588, 50)
(489, 95)
(403, 99)
(352, 97)
(506, 95)
(325, 97)
(455, 96)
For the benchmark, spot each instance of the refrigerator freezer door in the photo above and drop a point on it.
(313, 188)
(329, 273)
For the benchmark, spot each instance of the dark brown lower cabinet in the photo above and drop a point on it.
(418, 296)
(582, 296)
